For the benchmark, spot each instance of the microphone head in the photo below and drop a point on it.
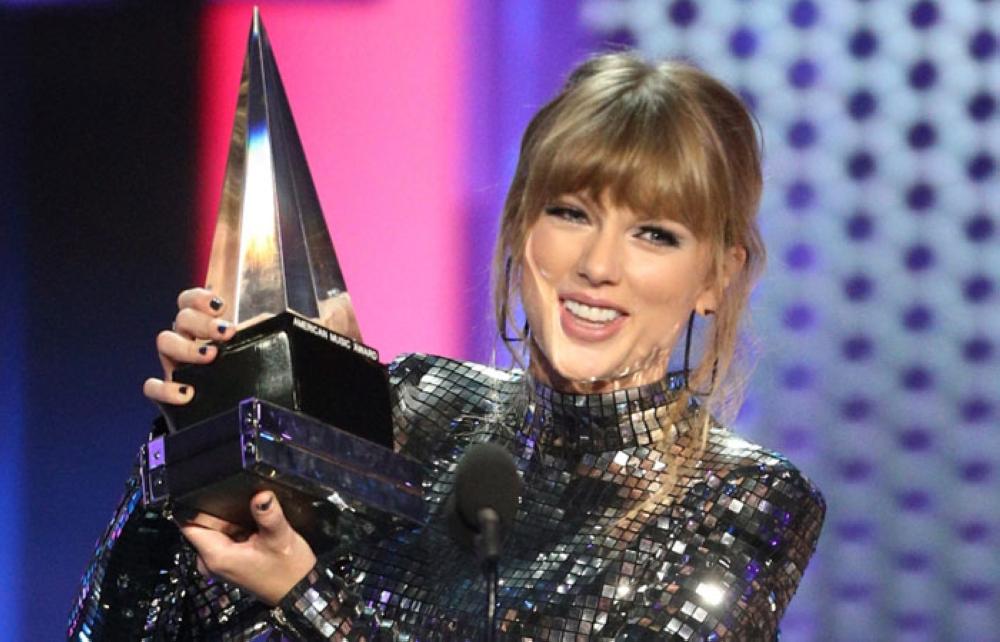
(486, 477)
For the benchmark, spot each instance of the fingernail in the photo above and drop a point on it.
(263, 506)
(223, 327)
(203, 350)
(183, 390)
(215, 304)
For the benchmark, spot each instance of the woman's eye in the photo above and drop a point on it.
(571, 214)
(658, 236)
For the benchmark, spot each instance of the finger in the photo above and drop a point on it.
(214, 548)
(199, 325)
(174, 349)
(202, 568)
(167, 391)
(168, 365)
(234, 531)
(270, 518)
(202, 300)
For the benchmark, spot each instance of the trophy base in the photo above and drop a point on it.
(293, 362)
(330, 482)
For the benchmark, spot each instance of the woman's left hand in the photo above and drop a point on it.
(268, 562)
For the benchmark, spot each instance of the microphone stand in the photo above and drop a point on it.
(488, 543)
(492, 581)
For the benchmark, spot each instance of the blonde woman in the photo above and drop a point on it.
(631, 216)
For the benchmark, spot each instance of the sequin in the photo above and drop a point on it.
(716, 556)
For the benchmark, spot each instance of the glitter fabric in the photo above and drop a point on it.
(626, 530)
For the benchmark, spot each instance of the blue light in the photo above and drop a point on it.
(12, 411)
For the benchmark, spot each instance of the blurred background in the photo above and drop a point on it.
(877, 319)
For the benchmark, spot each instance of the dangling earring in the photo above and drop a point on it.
(687, 360)
(503, 310)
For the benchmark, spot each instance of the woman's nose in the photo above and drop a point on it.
(600, 261)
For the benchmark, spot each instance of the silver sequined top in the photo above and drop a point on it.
(624, 532)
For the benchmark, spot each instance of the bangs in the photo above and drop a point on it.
(639, 157)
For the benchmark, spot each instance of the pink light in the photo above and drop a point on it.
(375, 87)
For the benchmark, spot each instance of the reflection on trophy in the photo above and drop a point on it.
(288, 404)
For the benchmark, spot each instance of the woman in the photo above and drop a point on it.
(631, 214)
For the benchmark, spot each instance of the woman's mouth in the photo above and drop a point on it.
(591, 313)
(589, 322)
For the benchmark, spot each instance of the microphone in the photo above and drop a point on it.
(481, 510)
(483, 503)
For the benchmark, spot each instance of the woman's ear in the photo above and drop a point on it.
(733, 263)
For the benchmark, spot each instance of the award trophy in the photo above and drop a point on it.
(287, 404)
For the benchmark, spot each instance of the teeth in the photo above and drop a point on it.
(590, 313)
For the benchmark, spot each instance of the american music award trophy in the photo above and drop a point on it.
(287, 404)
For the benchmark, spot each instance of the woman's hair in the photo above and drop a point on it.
(661, 138)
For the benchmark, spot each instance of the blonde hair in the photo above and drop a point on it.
(661, 138)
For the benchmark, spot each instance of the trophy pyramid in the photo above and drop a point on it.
(272, 250)
(287, 404)
(273, 263)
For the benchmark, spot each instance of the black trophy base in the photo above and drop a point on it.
(333, 485)
(326, 402)
(293, 362)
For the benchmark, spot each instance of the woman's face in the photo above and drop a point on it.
(607, 292)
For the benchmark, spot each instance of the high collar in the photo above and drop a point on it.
(568, 423)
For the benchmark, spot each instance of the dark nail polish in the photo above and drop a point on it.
(263, 506)
(215, 304)
(203, 350)
(223, 327)
(183, 390)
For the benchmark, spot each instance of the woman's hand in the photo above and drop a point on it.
(268, 562)
(199, 321)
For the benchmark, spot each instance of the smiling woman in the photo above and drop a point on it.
(641, 517)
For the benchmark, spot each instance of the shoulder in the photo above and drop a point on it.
(762, 482)
(428, 371)
(429, 389)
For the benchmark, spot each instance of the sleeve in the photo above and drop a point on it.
(730, 572)
(135, 588)
(141, 579)
(131, 587)
(325, 607)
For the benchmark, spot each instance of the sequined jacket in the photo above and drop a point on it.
(626, 530)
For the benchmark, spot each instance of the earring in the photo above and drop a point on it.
(687, 360)
(503, 310)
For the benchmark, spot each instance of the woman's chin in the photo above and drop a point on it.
(593, 375)
(582, 375)
(571, 368)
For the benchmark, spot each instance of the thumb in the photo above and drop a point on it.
(270, 519)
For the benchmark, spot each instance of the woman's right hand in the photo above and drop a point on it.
(198, 322)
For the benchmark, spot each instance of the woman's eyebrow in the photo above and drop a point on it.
(578, 197)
